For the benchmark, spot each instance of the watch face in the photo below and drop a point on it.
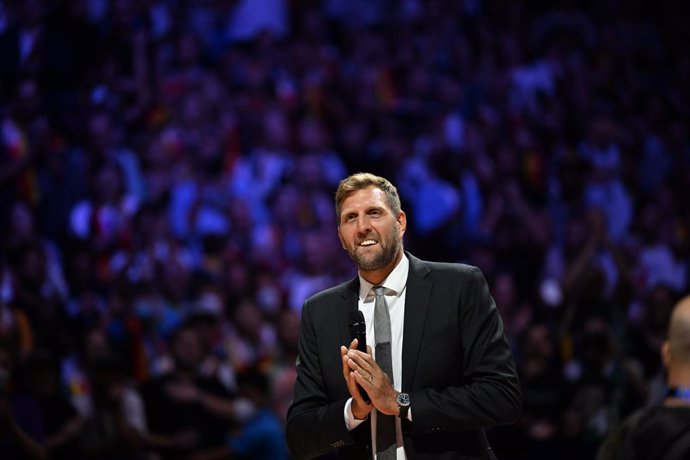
(403, 399)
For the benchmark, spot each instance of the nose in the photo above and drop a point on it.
(363, 224)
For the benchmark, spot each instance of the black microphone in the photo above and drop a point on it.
(358, 330)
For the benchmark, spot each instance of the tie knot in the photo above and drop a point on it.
(378, 290)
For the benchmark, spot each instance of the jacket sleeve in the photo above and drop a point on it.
(487, 392)
(315, 425)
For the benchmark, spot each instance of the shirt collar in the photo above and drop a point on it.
(395, 281)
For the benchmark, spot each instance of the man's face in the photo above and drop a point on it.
(369, 231)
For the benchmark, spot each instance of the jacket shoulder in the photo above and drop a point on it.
(454, 270)
(455, 267)
(449, 278)
(333, 294)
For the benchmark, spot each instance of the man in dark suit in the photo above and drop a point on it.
(452, 368)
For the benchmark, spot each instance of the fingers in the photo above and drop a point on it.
(354, 344)
(360, 370)
(380, 391)
(345, 359)
(364, 378)
(362, 360)
(348, 371)
(364, 367)
(351, 381)
(367, 372)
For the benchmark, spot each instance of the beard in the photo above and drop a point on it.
(385, 255)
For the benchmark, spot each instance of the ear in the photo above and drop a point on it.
(402, 222)
(666, 354)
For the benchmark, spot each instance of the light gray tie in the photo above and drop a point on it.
(385, 424)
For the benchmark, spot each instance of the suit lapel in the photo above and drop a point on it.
(350, 303)
(416, 307)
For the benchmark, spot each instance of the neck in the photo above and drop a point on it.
(679, 377)
(377, 276)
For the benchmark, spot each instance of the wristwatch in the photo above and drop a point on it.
(403, 402)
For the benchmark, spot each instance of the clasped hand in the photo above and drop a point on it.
(360, 368)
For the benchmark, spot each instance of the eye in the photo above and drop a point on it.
(349, 217)
(375, 213)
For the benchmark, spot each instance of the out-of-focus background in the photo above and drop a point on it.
(167, 174)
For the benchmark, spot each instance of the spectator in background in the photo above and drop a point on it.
(254, 177)
(106, 141)
(314, 272)
(602, 385)
(282, 371)
(250, 339)
(260, 436)
(22, 434)
(538, 432)
(116, 427)
(62, 421)
(663, 431)
(604, 188)
(207, 318)
(186, 412)
(516, 313)
(657, 260)
(646, 334)
(35, 296)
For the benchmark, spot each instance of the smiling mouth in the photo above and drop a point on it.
(367, 243)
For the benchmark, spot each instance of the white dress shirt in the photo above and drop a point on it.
(394, 291)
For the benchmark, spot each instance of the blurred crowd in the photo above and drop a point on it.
(167, 174)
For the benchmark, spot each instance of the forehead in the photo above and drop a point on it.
(365, 198)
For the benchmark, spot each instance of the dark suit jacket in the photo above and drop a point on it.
(457, 367)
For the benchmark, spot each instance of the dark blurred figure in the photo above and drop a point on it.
(602, 385)
(35, 295)
(260, 436)
(61, 420)
(647, 335)
(283, 368)
(116, 427)
(251, 339)
(186, 411)
(22, 41)
(661, 432)
(537, 435)
(21, 425)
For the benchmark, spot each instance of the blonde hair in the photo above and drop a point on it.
(362, 180)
